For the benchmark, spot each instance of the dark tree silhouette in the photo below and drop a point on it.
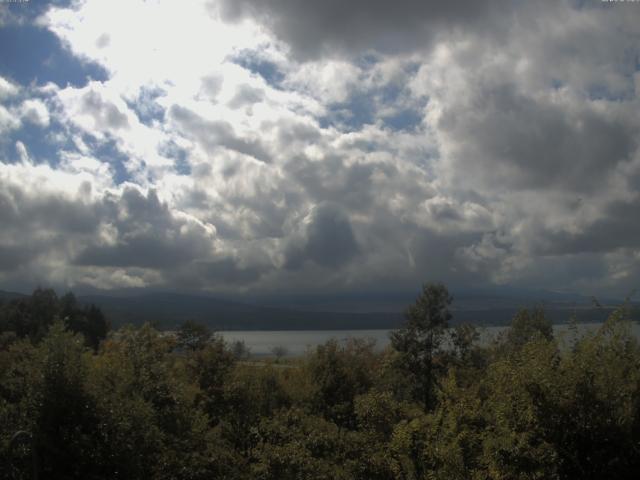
(420, 339)
(193, 336)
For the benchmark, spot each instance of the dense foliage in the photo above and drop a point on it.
(31, 316)
(141, 404)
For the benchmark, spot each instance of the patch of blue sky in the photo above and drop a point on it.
(28, 11)
(624, 90)
(39, 141)
(34, 55)
(252, 61)
(603, 92)
(390, 93)
(179, 156)
(107, 151)
(408, 118)
(146, 107)
(404, 120)
(580, 4)
(362, 108)
(8, 153)
(367, 61)
(359, 110)
(44, 145)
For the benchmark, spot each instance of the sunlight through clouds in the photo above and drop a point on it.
(473, 145)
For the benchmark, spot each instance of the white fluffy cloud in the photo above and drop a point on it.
(35, 111)
(7, 89)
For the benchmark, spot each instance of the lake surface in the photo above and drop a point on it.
(297, 342)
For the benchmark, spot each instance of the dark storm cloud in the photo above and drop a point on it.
(445, 213)
(147, 235)
(333, 180)
(510, 140)
(587, 272)
(14, 256)
(145, 251)
(132, 231)
(328, 240)
(36, 225)
(23, 211)
(616, 228)
(336, 27)
(434, 254)
(227, 271)
(212, 135)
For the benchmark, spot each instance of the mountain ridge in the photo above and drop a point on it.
(167, 310)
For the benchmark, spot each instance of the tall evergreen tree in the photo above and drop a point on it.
(420, 339)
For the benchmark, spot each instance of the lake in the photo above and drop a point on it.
(297, 342)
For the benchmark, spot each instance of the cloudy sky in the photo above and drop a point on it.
(280, 145)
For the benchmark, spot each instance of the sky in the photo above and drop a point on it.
(257, 146)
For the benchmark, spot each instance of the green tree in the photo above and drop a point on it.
(211, 368)
(339, 373)
(150, 424)
(20, 385)
(42, 311)
(293, 445)
(66, 414)
(193, 336)
(249, 395)
(421, 337)
(89, 321)
(463, 339)
(31, 316)
(527, 325)
(240, 350)
(279, 351)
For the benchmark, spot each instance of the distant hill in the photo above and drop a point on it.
(489, 307)
(168, 310)
(4, 296)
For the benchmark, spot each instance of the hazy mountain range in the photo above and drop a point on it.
(315, 312)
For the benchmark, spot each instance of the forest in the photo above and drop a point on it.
(80, 401)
